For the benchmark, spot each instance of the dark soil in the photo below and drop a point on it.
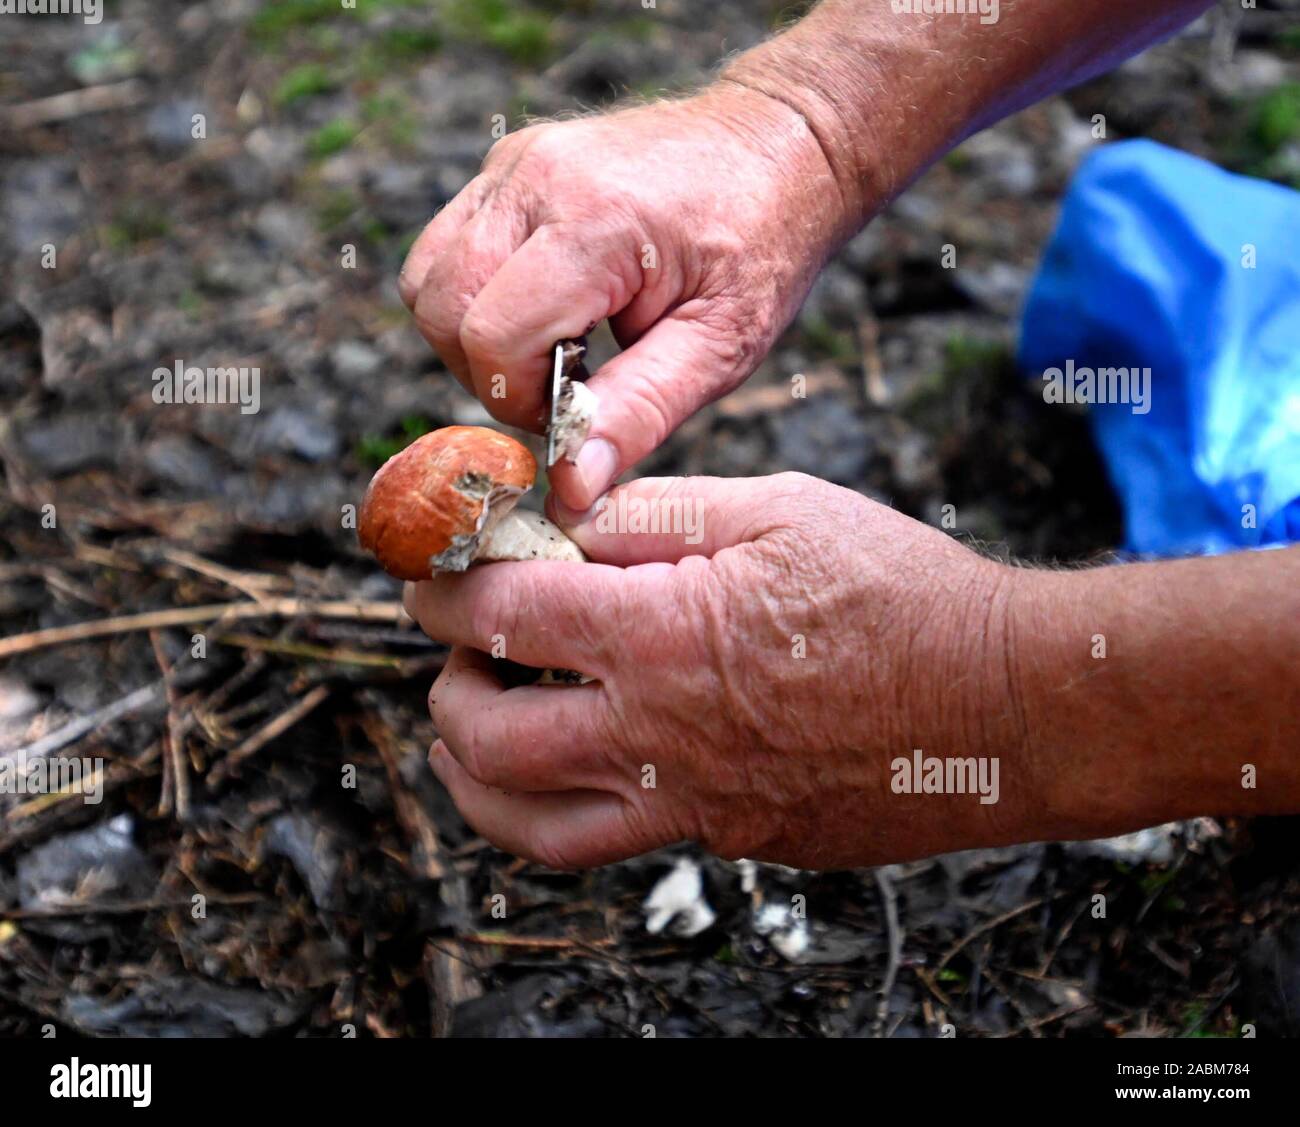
(312, 875)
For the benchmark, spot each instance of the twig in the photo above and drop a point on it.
(449, 972)
(173, 742)
(989, 925)
(363, 610)
(75, 729)
(264, 735)
(75, 103)
(890, 900)
(44, 801)
(123, 908)
(323, 653)
(534, 942)
(252, 584)
(1061, 937)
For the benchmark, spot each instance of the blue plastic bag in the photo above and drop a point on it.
(1163, 262)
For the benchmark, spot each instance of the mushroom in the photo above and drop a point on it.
(448, 501)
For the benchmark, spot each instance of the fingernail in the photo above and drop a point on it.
(408, 600)
(596, 466)
(408, 285)
(563, 515)
(436, 753)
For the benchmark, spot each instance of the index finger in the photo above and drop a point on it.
(542, 613)
(561, 283)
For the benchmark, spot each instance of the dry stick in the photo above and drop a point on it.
(989, 925)
(450, 974)
(74, 103)
(535, 942)
(75, 729)
(122, 908)
(264, 735)
(250, 583)
(173, 741)
(117, 774)
(361, 610)
(43, 802)
(890, 899)
(338, 656)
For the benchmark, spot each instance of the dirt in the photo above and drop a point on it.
(272, 856)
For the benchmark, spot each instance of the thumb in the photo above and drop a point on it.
(664, 519)
(644, 394)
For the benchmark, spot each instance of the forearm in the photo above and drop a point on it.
(1151, 692)
(886, 93)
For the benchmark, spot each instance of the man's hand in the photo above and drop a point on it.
(696, 226)
(762, 687)
(769, 666)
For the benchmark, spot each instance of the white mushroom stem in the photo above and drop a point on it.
(523, 535)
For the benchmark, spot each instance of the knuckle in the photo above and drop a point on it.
(493, 610)
(473, 752)
(546, 148)
(480, 333)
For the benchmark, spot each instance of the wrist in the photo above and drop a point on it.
(1148, 689)
(868, 87)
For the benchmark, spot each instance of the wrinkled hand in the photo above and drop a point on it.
(696, 226)
(762, 678)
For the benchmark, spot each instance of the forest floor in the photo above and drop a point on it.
(282, 778)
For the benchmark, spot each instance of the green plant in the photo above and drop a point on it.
(1275, 118)
(333, 137)
(400, 43)
(276, 20)
(375, 450)
(522, 35)
(304, 81)
(834, 344)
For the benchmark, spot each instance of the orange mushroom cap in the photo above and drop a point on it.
(436, 490)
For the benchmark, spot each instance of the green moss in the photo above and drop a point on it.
(278, 19)
(523, 35)
(304, 81)
(957, 160)
(1275, 118)
(833, 344)
(401, 43)
(375, 450)
(333, 137)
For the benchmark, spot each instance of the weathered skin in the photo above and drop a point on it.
(742, 192)
(910, 640)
